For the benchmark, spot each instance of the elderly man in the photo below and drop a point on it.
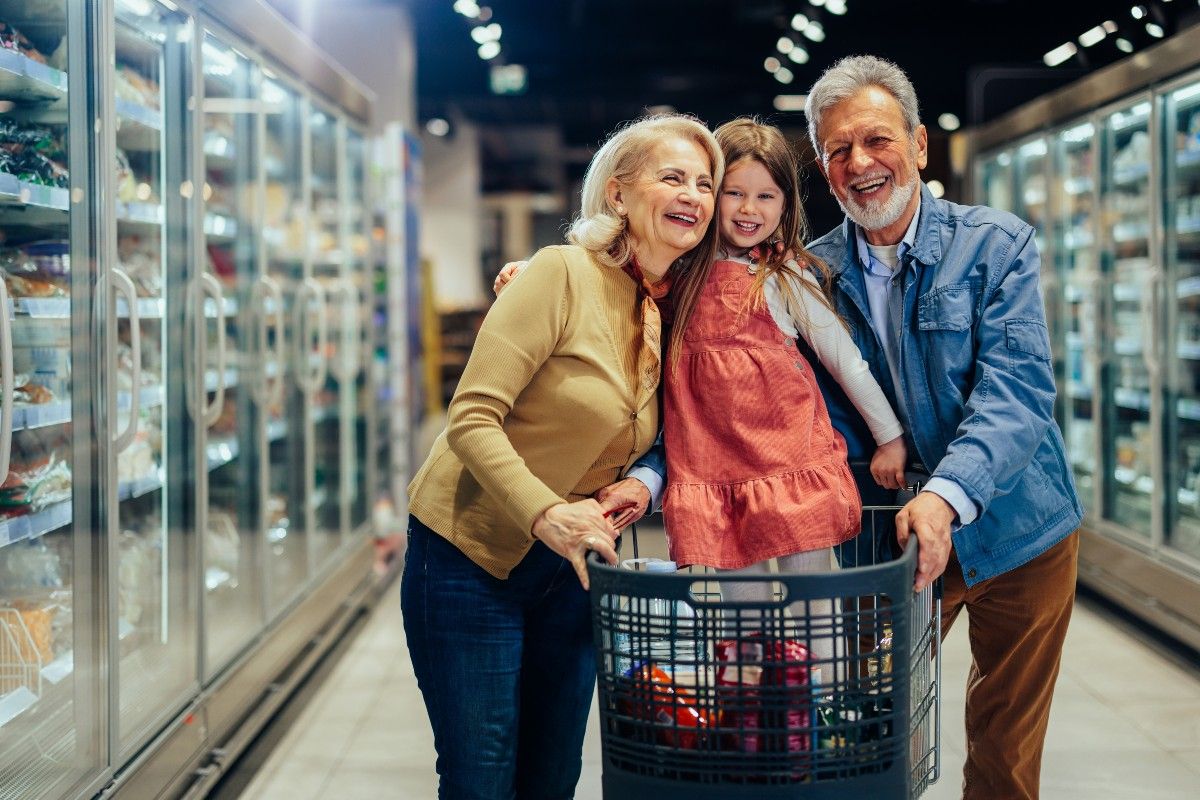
(943, 302)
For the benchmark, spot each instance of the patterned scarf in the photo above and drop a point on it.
(657, 309)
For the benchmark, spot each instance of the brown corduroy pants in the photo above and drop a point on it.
(1018, 622)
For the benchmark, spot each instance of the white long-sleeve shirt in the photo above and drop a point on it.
(815, 323)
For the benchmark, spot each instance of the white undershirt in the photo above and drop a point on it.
(827, 336)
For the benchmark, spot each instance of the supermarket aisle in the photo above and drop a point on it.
(1125, 725)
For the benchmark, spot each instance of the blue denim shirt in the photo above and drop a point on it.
(976, 376)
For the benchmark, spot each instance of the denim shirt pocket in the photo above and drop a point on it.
(945, 317)
(946, 308)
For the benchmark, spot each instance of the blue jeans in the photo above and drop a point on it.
(507, 669)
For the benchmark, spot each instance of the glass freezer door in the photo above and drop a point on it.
(356, 397)
(1031, 178)
(327, 256)
(1074, 318)
(233, 609)
(285, 218)
(1129, 438)
(155, 625)
(1182, 215)
(995, 179)
(50, 692)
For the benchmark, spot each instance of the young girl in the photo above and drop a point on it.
(755, 470)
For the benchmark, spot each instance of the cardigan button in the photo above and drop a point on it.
(971, 573)
(633, 415)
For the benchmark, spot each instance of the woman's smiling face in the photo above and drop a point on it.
(669, 205)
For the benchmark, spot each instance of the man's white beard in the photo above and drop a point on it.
(877, 216)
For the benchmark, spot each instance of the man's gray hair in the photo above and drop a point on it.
(851, 75)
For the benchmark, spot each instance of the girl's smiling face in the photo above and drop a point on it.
(750, 206)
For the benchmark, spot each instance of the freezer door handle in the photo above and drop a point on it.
(210, 286)
(310, 373)
(267, 302)
(6, 376)
(345, 366)
(123, 286)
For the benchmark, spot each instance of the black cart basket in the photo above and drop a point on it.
(827, 690)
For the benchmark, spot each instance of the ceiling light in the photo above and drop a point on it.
(948, 122)
(836, 7)
(798, 55)
(814, 31)
(772, 64)
(508, 79)
(437, 126)
(468, 8)
(799, 22)
(1109, 26)
(1060, 54)
(784, 75)
(1124, 45)
(480, 34)
(485, 14)
(1092, 36)
(1137, 12)
(817, 3)
(489, 50)
(1155, 30)
(790, 102)
(784, 45)
(935, 188)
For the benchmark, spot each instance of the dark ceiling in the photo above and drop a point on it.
(593, 63)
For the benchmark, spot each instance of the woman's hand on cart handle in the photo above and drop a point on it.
(625, 501)
(509, 271)
(929, 517)
(887, 465)
(572, 529)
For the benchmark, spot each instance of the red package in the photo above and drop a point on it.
(679, 719)
(762, 686)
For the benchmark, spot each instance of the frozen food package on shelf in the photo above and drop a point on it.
(13, 39)
(221, 552)
(34, 487)
(140, 259)
(127, 185)
(134, 87)
(136, 576)
(30, 567)
(32, 153)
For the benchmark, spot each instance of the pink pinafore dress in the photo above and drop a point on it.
(754, 467)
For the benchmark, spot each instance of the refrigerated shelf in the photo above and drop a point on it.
(27, 81)
(38, 523)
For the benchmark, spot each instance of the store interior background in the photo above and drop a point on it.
(503, 103)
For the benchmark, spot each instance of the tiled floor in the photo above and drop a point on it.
(1125, 723)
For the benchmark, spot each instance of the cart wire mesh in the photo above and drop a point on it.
(829, 686)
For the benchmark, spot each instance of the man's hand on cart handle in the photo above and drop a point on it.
(929, 517)
(625, 501)
(572, 529)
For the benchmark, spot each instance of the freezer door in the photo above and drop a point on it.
(227, 419)
(356, 453)
(52, 701)
(154, 637)
(327, 260)
(1074, 316)
(285, 219)
(1129, 366)
(1182, 228)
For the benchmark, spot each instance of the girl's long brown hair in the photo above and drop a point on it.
(746, 138)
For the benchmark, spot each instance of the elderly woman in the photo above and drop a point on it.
(558, 399)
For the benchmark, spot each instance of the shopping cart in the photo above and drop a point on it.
(829, 690)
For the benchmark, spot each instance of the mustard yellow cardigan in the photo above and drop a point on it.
(549, 409)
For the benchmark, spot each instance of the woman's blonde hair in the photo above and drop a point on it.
(749, 139)
(603, 232)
